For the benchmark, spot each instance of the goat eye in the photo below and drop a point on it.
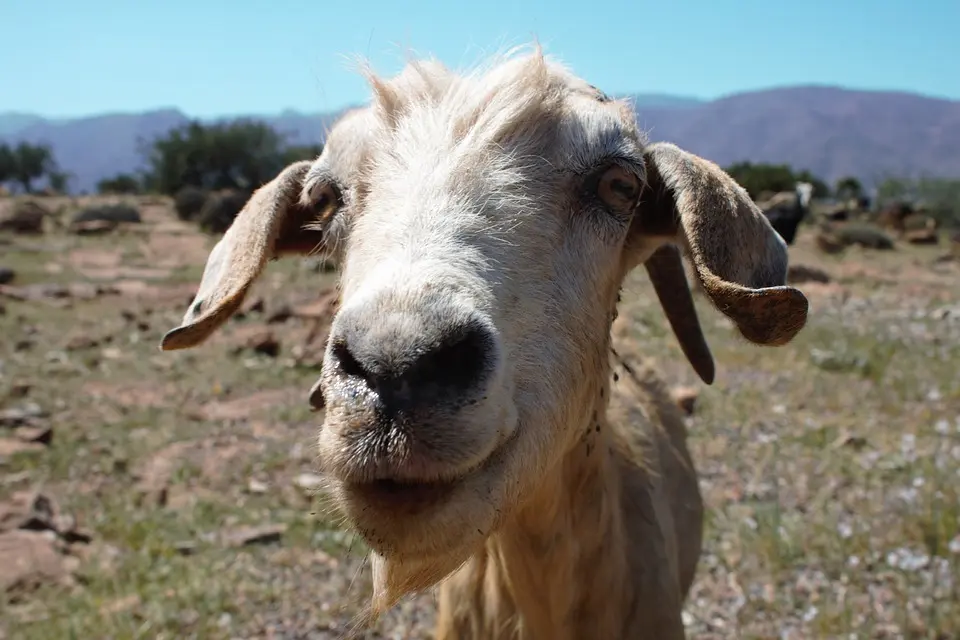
(618, 188)
(326, 200)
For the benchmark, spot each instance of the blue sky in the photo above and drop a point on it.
(214, 57)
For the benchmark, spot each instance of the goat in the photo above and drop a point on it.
(786, 211)
(483, 224)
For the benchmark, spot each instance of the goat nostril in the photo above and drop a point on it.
(349, 365)
(405, 375)
(457, 363)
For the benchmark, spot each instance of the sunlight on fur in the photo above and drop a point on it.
(483, 224)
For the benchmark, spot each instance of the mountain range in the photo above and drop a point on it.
(831, 131)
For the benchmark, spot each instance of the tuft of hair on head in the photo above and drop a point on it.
(420, 81)
(485, 103)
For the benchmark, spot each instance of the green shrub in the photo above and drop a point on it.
(26, 217)
(121, 184)
(865, 235)
(915, 221)
(108, 213)
(220, 209)
(189, 201)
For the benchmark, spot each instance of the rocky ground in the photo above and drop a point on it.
(173, 495)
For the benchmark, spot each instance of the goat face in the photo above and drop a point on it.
(483, 226)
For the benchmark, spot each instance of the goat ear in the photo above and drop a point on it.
(665, 269)
(269, 225)
(738, 257)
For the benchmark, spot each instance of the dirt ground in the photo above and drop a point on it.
(173, 495)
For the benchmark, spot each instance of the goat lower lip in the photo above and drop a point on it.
(392, 495)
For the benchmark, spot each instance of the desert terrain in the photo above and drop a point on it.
(174, 495)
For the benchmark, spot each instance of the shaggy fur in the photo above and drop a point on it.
(483, 224)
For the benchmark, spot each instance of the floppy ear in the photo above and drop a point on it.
(665, 269)
(737, 256)
(269, 225)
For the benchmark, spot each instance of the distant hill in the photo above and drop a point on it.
(664, 101)
(831, 131)
(13, 121)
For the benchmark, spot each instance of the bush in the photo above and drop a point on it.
(762, 179)
(940, 197)
(189, 202)
(220, 210)
(865, 235)
(26, 217)
(121, 184)
(108, 213)
(917, 221)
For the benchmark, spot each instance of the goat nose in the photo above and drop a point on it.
(443, 368)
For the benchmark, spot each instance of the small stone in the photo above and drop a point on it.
(20, 390)
(252, 305)
(75, 534)
(280, 315)
(851, 441)
(258, 340)
(265, 343)
(80, 342)
(256, 486)
(27, 560)
(308, 482)
(185, 547)
(93, 227)
(112, 353)
(800, 273)
(121, 605)
(41, 434)
(25, 218)
(28, 510)
(244, 536)
(922, 236)
(954, 545)
(24, 414)
(11, 447)
(324, 307)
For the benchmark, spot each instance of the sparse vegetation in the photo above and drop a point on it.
(8, 164)
(189, 201)
(59, 181)
(25, 216)
(122, 184)
(848, 188)
(829, 466)
(219, 210)
(108, 213)
(940, 197)
(26, 163)
(301, 152)
(211, 170)
(185, 487)
(864, 235)
(240, 155)
(760, 178)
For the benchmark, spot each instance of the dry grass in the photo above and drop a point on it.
(830, 466)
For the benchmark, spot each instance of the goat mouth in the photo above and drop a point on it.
(412, 497)
(397, 496)
(416, 518)
(394, 513)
